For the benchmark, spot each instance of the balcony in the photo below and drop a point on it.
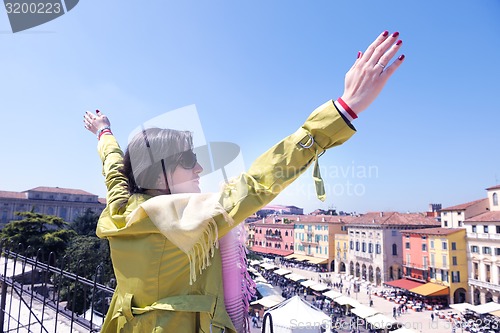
(484, 284)
(415, 265)
(363, 256)
(310, 242)
(482, 236)
(274, 237)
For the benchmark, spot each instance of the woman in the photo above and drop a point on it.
(164, 234)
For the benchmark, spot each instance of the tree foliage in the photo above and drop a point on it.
(46, 232)
(86, 223)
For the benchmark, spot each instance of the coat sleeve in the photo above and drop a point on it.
(277, 168)
(116, 183)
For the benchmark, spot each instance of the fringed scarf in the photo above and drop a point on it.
(187, 220)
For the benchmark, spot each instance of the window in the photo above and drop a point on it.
(475, 270)
(453, 246)
(444, 276)
(497, 251)
(370, 248)
(378, 249)
(286, 233)
(495, 199)
(444, 246)
(486, 250)
(485, 228)
(454, 260)
(445, 261)
(394, 232)
(407, 245)
(498, 229)
(432, 244)
(459, 213)
(455, 276)
(394, 250)
(357, 245)
(408, 259)
(425, 262)
(424, 237)
(351, 245)
(325, 238)
(445, 223)
(474, 249)
(474, 228)
(488, 273)
(363, 247)
(433, 261)
(424, 247)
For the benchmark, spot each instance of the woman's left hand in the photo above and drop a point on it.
(95, 122)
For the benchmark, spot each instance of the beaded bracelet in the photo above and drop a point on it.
(101, 131)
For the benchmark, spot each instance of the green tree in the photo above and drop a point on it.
(86, 223)
(46, 232)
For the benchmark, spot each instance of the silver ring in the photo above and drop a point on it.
(378, 63)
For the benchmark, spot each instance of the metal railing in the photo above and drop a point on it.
(38, 296)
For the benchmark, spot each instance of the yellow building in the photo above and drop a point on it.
(341, 249)
(448, 261)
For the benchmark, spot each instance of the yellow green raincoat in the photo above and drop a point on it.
(164, 249)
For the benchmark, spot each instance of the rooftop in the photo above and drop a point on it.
(464, 206)
(433, 231)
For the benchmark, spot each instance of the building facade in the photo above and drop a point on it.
(272, 236)
(483, 240)
(62, 202)
(375, 244)
(437, 255)
(315, 238)
(454, 217)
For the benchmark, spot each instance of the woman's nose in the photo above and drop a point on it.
(198, 168)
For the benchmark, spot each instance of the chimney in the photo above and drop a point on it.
(381, 214)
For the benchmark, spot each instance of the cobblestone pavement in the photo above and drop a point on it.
(419, 322)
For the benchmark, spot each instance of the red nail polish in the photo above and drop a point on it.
(396, 34)
(359, 54)
(385, 33)
(399, 42)
(401, 57)
(97, 111)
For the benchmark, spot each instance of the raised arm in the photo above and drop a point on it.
(328, 126)
(112, 163)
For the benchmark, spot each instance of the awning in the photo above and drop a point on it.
(270, 250)
(495, 313)
(295, 277)
(269, 301)
(404, 284)
(344, 300)
(380, 321)
(462, 307)
(486, 308)
(301, 257)
(268, 266)
(282, 271)
(332, 294)
(363, 311)
(431, 289)
(308, 283)
(319, 287)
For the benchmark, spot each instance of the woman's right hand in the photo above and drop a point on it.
(95, 122)
(369, 74)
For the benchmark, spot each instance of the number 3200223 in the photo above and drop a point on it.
(33, 8)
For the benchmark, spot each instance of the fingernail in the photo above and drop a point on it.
(359, 54)
(401, 57)
(97, 111)
(399, 42)
(385, 33)
(396, 34)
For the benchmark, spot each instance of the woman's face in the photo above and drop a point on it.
(183, 180)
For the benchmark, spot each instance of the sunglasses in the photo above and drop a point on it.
(186, 159)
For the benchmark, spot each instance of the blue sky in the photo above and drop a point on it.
(255, 70)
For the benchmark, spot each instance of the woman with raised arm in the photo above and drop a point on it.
(174, 264)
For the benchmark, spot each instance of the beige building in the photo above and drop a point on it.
(63, 202)
(454, 217)
(483, 240)
(375, 244)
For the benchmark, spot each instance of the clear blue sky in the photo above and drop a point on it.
(255, 70)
